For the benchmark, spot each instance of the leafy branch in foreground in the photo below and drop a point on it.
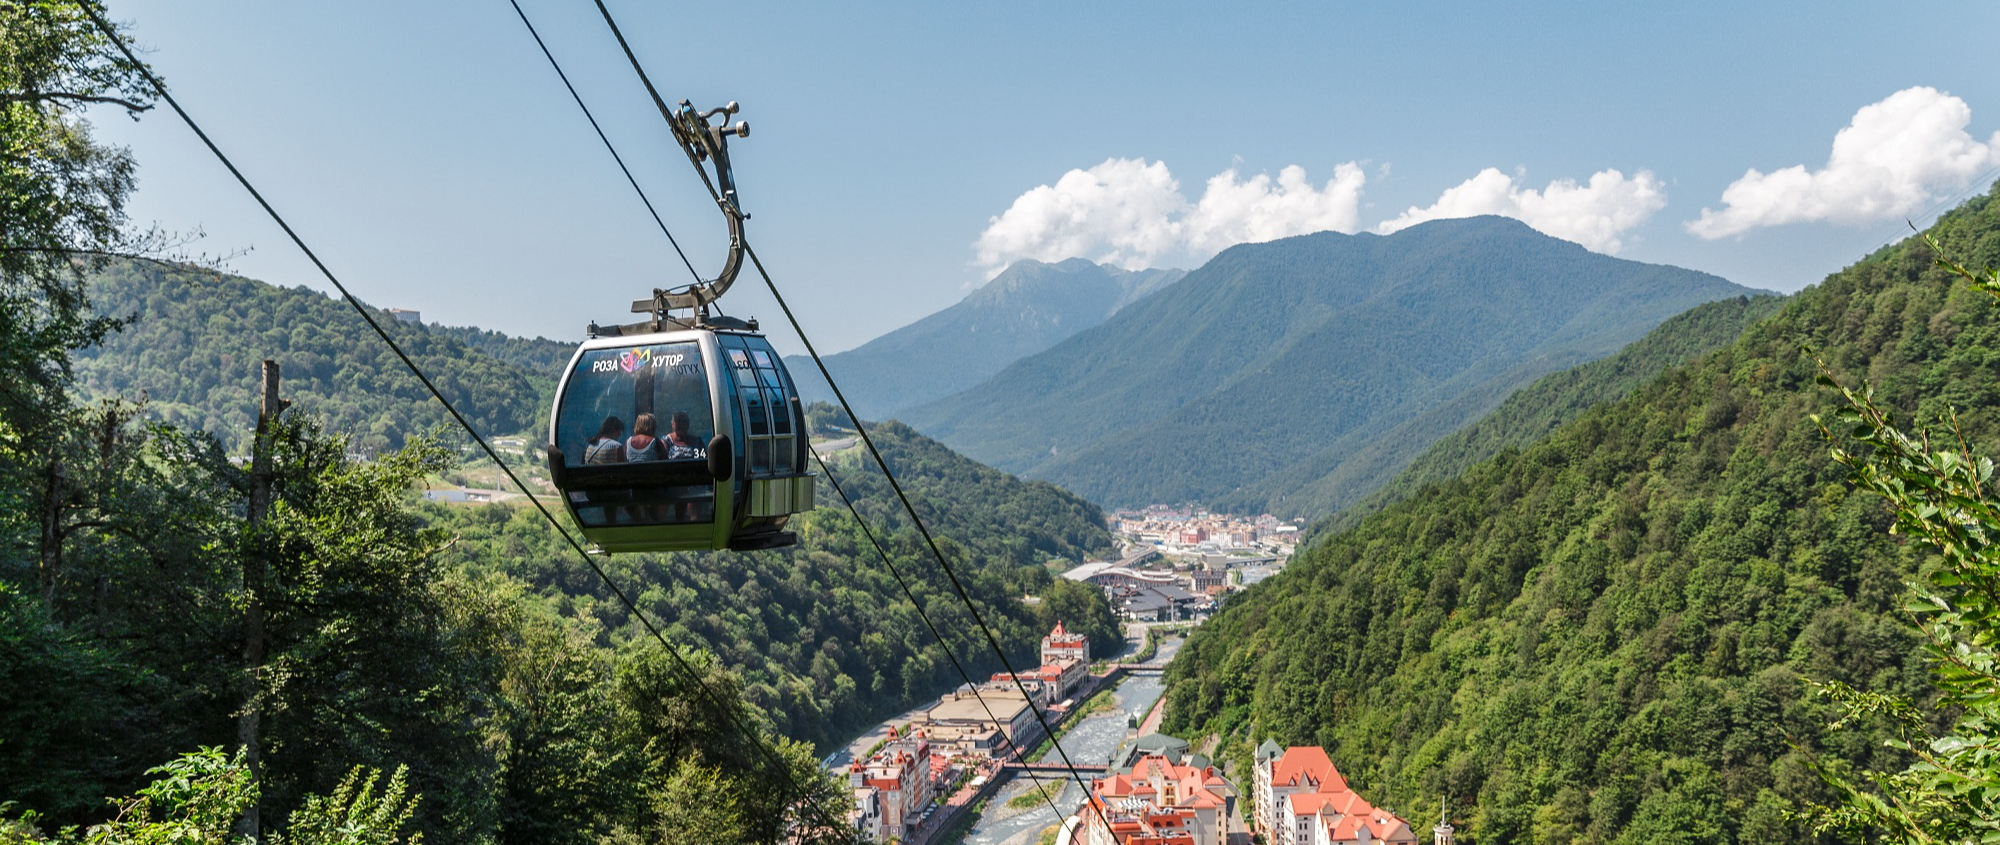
(1939, 492)
(197, 798)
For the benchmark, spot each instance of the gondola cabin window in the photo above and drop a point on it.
(638, 420)
(772, 421)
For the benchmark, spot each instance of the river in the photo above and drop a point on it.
(1092, 741)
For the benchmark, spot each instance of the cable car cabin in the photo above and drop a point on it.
(679, 440)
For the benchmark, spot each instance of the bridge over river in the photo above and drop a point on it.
(1056, 767)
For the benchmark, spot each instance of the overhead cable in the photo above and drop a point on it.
(714, 700)
(901, 582)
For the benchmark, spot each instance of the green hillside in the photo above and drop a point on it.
(195, 339)
(538, 356)
(1027, 308)
(1604, 636)
(821, 635)
(1301, 352)
(1526, 416)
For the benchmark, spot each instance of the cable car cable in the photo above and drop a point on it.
(607, 141)
(908, 592)
(714, 700)
(992, 640)
(659, 102)
(1020, 753)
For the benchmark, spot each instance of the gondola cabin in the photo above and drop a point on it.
(680, 440)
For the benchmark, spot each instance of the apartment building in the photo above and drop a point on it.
(1300, 798)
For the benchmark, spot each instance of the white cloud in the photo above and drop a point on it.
(1132, 213)
(1257, 209)
(1894, 157)
(1594, 215)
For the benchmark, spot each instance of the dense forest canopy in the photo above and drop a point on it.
(1605, 635)
(189, 333)
(1534, 411)
(162, 600)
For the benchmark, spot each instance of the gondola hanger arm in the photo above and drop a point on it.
(705, 139)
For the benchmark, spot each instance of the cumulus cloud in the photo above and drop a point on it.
(1131, 213)
(1594, 214)
(1893, 158)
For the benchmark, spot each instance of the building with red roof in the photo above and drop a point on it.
(892, 787)
(1301, 799)
(1158, 802)
(1063, 645)
(1065, 660)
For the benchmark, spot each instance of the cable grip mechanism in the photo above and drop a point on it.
(704, 136)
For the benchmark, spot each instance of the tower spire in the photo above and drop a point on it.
(1442, 834)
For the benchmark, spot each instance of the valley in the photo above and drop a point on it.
(1449, 514)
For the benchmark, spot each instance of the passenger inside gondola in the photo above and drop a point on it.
(608, 447)
(645, 478)
(681, 443)
(644, 446)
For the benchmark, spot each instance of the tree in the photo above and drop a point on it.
(695, 767)
(1083, 609)
(1942, 496)
(62, 195)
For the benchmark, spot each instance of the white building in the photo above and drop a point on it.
(1301, 799)
(892, 788)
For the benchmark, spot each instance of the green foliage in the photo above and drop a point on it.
(66, 698)
(1533, 411)
(376, 657)
(1277, 363)
(1940, 491)
(62, 196)
(1037, 795)
(197, 799)
(1082, 609)
(126, 564)
(822, 636)
(1148, 648)
(194, 340)
(355, 814)
(1602, 636)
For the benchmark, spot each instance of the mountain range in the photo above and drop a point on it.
(1029, 307)
(1277, 364)
(1612, 631)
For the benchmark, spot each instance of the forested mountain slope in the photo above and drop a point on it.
(821, 634)
(196, 337)
(1531, 412)
(1300, 352)
(541, 357)
(1604, 636)
(1024, 310)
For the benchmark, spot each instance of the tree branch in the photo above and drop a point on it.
(31, 97)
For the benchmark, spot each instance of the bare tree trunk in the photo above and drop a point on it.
(55, 490)
(254, 566)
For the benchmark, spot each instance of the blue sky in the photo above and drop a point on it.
(900, 151)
